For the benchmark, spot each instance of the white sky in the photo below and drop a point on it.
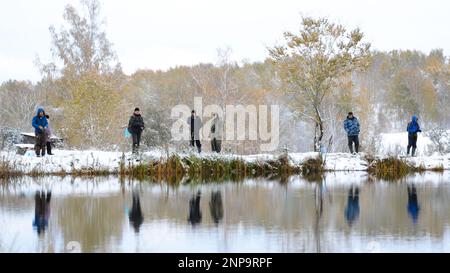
(165, 33)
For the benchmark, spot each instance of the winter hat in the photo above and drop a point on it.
(136, 109)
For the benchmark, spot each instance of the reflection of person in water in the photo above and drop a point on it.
(41, 211)
(413, 204)
(195, 215)
(135, 215)
(352, 209)
(216, 206)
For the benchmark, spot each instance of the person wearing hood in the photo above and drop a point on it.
(216, 133)
(413, 204)
(41, 211)
(40, 124)
(135, 126)
(351, 126)
(413, 128)
(195, 123)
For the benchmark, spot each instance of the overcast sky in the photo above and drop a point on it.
(166, 33)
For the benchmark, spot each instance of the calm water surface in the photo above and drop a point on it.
(346, 212)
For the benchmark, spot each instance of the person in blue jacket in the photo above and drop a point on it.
(352, 209)
(413, 128)
(413, 204)
(40, 124)
(351, 126)
(41, 211)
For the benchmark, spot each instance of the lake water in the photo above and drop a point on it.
(346, 212)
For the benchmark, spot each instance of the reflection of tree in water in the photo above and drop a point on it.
(135, 216)
(216, 206)
(41, 210)
(94, 221)
(413, 203)
(195, 215)
(352, 209)
(318, 205)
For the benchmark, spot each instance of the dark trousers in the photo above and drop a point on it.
(136, 136)
(196, 142)
(40, 145)
(216, 145)
(49, 147)
(412, 142)
(351, 140)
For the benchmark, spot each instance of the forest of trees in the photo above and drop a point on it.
(90, 99)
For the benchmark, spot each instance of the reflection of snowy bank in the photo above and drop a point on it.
(104, 186)
(73, 162)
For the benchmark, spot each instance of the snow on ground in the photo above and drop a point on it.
(396, 144)
(72, 161)
(345, 162)
(63, 161)
(430, 162)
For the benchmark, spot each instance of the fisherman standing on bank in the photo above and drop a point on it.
(40, 124)
(413, 128)
(48, 134)
(135, 126)
(216, 133)
(351, 126)
(195, 123)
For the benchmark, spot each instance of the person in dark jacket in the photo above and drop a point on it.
(351, 126)
(40, 124)
(195, 123)
(413, 128)
(195, 215)
(135, 126)
(352, 209)
(216, 133)
(216, 207)
(413, 204)
(135, 216)
(41, 211)
(48, 134)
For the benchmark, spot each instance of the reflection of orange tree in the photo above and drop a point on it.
(92, 221)
(262, 205)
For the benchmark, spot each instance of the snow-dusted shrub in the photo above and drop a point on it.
(157, 132)
(373, 145)
(8, 137)
(440, 139)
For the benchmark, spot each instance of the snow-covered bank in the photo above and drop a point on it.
(76, 161)
(396, 143)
